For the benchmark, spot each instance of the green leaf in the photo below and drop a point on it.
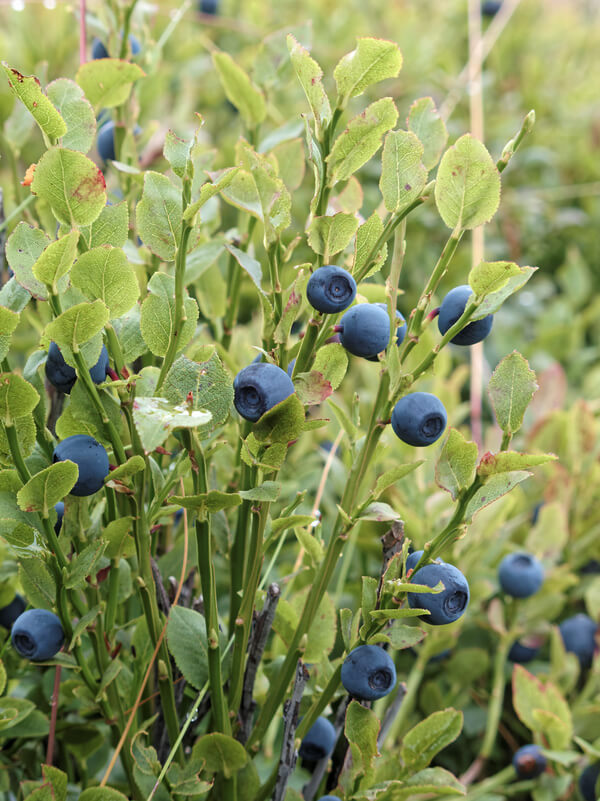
(329, 235)
(102, 793)
(129, 331)
(248, 263)
(456, 465)
(156, 418)
(379, 512)
(542, 708)
(274, 199)
(158, 215)
(81, 416)
(219, 181)
(13, 711)
(158, 315)
(133, 465)
(505, 461)
(77, 113)
(23, 248)
(71, 184)
(38, 585)
(220, 753)
(209, 383)
(267, 491)
(403, 176)
(283, 523)
(390, 477)
(425, 121)
(240, 90)
(82, 624)
(369, 595)
(467, 187)
(46, 488)
(186, 637)
(494, 300)
(361, 139)
(104, 273)
(488, 277)
(107, 82)
(431, 781)
(56, 260)
(208, 502)
(17, 397)
(310, 76)
(495, 487)
(511, 388)
(83, 565)
(367, 237)
(372, 61)
(12, 295)
(118, 540)
(310, 543)
(312, 388)
(177, 152)
(344, 420)
(402, 636)
(429, 737)
(361, 729)
(77, 325)
(282, 423)
(332, 362)
(292, 301)
(29, 91)
(111, 227)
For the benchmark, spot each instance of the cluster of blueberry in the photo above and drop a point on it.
(418, 418)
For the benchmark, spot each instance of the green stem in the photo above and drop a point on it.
(234, 283)
(15, 212)
(309, 341)
(326, 569)
(180, 315)
(110, 614)
(426, 363)
(238, 549)
(206, 570)
(497, 697)
(126, 25)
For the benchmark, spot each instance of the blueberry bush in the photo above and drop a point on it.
(249, 548)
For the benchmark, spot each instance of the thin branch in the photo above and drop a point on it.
(161, 595)
(256, 647)
(53, 716)
(289, 755)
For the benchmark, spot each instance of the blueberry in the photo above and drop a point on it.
(451, 310)
(490, 8)
(9, 613)
(401, 330)
(106, 141)
(91, 459)
(588, 781)
(520, 575)
(536, 512)
(529, 762)
(259, 387)
(330, 289)
(60, 513)
(579, 636)
(412, 560)
(178, 515)
(446, 606)
(591, 567)
(134, 44)
(99, 49)
(441, 656)
(521, 654)
(37, 634)
(208, 6)
(62, 376)
(368, 673)
(419, 419)
(365, 329)
(318, 741)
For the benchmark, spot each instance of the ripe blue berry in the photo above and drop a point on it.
(208, 6)
(60, 513)
(536, 512)
(588, 781)
(91, 459)
(62, 376)
(106, 141)
(451, 310)
(520, 575)
(579, 636)
(490, 8)
(412, 560)
(37, 635)
(318, 741)
(446, 606)
(99, 49)
(259, 387)
(10, 612)
(529, 762)
(365, 330)
(330, 289)
(521, 654)
(419, 419)
(368, 673)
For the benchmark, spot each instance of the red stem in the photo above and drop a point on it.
(54, 713)
(82, 33)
